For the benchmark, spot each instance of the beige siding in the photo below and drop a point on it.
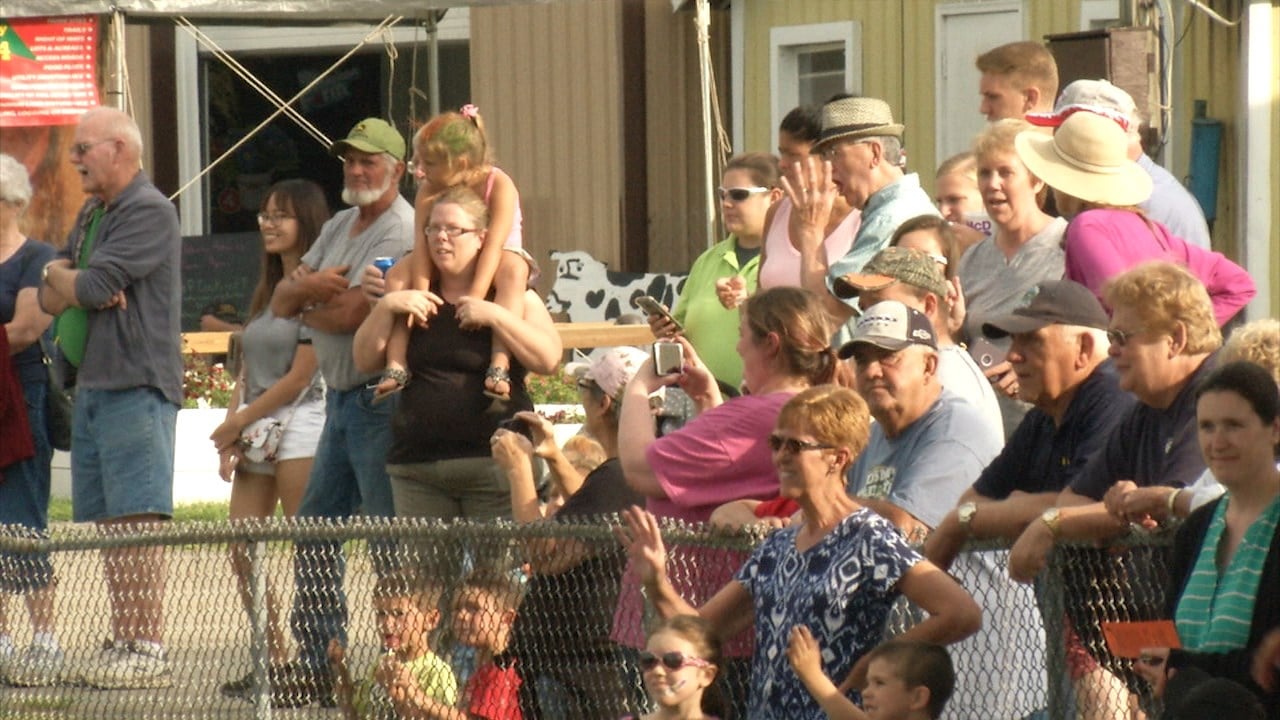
(546, 79)
(677, 218)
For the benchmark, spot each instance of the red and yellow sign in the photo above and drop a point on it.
(47, 70)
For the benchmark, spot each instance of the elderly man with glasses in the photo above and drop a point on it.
(860, 157)
(349, 472)
(115, 288)
(1163, 338)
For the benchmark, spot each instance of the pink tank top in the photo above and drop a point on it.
(781, 266)
(515, 240)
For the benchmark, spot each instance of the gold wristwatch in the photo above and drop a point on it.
(1052, 519)
(965, 514)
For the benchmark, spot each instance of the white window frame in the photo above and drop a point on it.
(786, 41)
(1094, 10)
(193, 207)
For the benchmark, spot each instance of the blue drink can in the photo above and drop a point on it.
(384, 263)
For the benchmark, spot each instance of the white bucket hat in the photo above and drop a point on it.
(1087, 158)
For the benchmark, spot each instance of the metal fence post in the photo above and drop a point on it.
(258, 650)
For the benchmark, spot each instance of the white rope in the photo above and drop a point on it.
(389, 42)
(1212, 15)
(389, 21)
(252, 80)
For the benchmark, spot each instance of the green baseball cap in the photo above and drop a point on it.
(891, 265)
(372, 135)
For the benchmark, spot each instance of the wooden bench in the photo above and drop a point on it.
(573, 335)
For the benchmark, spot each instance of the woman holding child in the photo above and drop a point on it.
(836, 571)
(448, 472)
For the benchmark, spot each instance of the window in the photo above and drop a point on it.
(810, 63)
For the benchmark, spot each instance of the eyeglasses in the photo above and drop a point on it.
(792, 446)
(453, 233)
(671, 660)
(273, 218)
(80, 148)
(1120, 338)
(739, 194)
(832, 151)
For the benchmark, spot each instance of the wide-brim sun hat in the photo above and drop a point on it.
(856, 117)
(1087, 158)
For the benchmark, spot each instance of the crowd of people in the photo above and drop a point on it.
(1038, 358)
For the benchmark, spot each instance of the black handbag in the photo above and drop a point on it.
(60, 397)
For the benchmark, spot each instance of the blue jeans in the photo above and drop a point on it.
(349, 474)
(24, 500)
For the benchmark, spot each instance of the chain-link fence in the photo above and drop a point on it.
(237, 604)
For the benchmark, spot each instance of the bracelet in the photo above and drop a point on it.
(1172, 501)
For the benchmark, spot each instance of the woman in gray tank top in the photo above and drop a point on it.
(278, 378)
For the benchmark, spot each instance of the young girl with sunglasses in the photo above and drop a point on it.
(680, 663)
(450, 151)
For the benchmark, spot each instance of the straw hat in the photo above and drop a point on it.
(1086, 158)
(856, 117)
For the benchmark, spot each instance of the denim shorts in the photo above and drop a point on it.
(122, 454)
(301, 434)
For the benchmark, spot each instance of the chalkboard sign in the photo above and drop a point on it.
(218, 270)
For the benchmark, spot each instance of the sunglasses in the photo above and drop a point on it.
(80, 148)
(792, 446)
(1120, 338)
(671, 660)
(740, 194)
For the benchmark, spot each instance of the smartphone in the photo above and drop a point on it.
(668, 357)
(517, 425)
(985, 353)
(651, 306)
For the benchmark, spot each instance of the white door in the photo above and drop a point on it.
(964, 31)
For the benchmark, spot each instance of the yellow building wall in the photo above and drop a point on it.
(897, 60)
(1275, 162)
(1210, 56)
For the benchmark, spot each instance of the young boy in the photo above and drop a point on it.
(905, 680)
(408, 680)
(482, 619)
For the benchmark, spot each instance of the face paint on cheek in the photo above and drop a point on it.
(676, 687)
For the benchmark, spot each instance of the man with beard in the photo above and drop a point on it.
(350, 463)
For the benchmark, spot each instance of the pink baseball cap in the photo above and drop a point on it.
(610, 368)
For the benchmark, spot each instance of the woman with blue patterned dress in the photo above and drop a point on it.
(837, 569)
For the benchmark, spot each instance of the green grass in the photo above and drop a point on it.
(60, 511)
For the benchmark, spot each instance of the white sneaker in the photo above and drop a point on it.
(126, 667)
(37, 666)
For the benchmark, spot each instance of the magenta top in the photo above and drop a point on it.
(1103, 243)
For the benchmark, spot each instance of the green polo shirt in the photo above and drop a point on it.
(711, 328)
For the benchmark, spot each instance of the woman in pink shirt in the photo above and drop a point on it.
(780, 260)
(1097, 188)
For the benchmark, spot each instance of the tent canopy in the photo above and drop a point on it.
(246, 10)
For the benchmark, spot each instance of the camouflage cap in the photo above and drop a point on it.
(891, 265)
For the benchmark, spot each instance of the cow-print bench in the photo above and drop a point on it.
(586, 290)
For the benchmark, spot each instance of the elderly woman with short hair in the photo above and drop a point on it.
(24, 485)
